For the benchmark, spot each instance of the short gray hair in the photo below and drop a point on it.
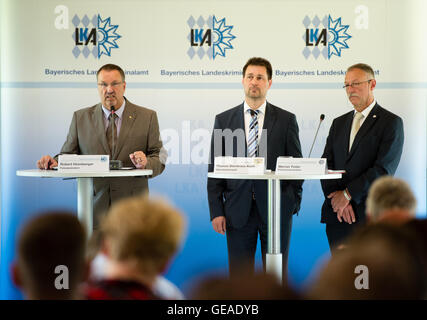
(364, 67)
(388, 193)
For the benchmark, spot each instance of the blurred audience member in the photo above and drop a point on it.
(98, 261)
(139, 238)
(245, 286)
(50, 262)
(390, 200)
(380, 261)
(419, 226)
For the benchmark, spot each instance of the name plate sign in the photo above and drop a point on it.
(285, 165)
(239, 165)
(83, 163)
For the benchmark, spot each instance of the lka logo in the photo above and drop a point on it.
(209, 37)
(94, 36)
(326, 37)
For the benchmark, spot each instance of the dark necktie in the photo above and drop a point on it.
(112, 130)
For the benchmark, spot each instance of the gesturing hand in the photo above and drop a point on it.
(46, 162)
(138, 159)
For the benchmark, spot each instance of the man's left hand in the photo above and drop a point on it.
(347, 214)
(138, 159)
(339, 201)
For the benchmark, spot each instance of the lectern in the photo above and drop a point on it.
(84, 187)
(273, 256)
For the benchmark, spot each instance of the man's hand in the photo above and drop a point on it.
(339, 201)
(218, 224)
(46, 162)
(347, 214)
(138, 159)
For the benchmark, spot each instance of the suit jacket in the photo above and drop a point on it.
(376, 151)
(139, 132)
(232, 198)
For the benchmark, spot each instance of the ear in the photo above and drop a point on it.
(16, 278)
(373, 84)
(269, 83)
(124, 86)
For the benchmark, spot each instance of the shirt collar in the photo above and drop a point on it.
(119, 112)
(367, 110)
(261, 109)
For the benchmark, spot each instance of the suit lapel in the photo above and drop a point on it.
(238, 119)
(98, 121)
(364, 129)
(347, 131)
(128, 119)
(238, 122)
(269, 120)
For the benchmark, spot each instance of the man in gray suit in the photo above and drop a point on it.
(137, 139)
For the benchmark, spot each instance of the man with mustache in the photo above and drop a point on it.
(367, 143)
(238, 208)
(136, 139)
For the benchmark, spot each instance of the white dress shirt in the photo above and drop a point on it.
(365, 112)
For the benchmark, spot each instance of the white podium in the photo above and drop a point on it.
(273, 256)
(84, 187)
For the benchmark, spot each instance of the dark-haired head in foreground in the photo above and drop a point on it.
(50, 262)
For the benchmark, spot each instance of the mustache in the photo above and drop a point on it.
(111, 95)
(353, 95)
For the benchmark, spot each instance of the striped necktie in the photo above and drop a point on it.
(253, 134)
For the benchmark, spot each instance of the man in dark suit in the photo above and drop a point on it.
(367, 143)
(238, 208)
(137, 139)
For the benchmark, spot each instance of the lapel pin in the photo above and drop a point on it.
(374, 116)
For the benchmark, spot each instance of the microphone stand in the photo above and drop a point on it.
(322, 116)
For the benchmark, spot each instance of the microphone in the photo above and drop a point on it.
(322, 117)
(114, 164)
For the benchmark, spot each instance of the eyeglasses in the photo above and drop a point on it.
(355, 84)
(104, 85)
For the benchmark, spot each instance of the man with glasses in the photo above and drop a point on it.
(117, 127)
(367, 143)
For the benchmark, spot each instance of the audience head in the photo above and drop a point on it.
(390, 200)
(418, 227)
(246, 286)
(143, 233)
(51, 257)
(381, 261)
